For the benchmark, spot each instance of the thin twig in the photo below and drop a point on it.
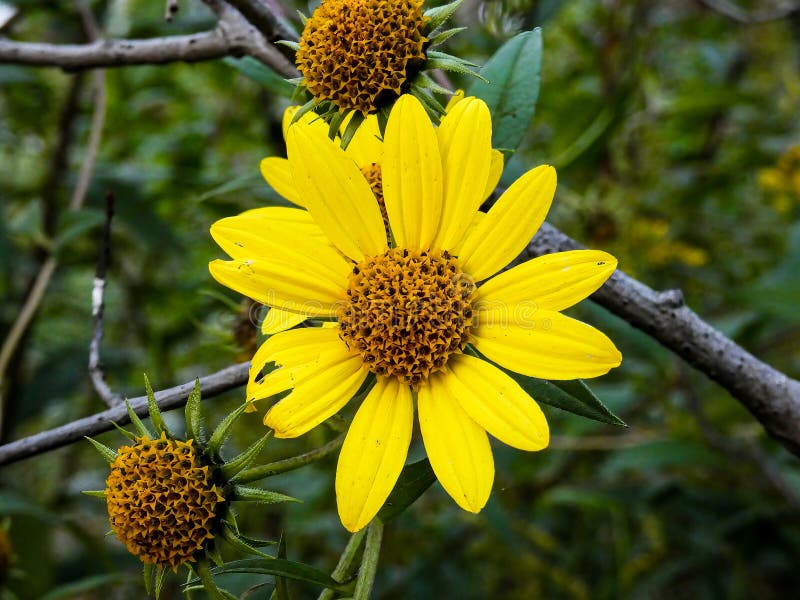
(732, 11)
(174, 397)
(170, 9)
(772, 397)
(95, 368)
(266, 21)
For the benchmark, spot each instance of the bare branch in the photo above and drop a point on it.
(174, 397)
(266, 21)
(170, 9)
(732, 11)
(98, 288)
(772, 397)
(118, 53)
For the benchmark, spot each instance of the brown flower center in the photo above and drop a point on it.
(354, 52)
(408, 311)
(161, 502)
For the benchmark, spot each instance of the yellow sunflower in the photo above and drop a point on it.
(418, 312)
(366, 150)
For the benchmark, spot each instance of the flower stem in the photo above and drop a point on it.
(369, 562)
(289, 464)
(348, 555)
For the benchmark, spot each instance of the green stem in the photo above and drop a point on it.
(343, 566)
(289, 464)
(369, 562)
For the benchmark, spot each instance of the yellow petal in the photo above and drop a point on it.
(279, 380)
(495, 172)
(256, 233)
(457, 97)
(457, 446)
(411, 174)
(278, 175)
(278, 320)
(374, 452)
(550, 282)
(510, 224)
(295, 347)
(366, 147)
(288, 116)
(299, 286)
(497, 403)
(545, 344)
(336, 194)
(319, 393)
(465, 143)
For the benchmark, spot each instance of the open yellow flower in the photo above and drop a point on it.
(411, 311)
(366, 150)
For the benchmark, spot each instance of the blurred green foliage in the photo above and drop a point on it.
(659, 118)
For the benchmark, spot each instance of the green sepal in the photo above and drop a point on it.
(152, 407)
(193, 414)
(230, 521)
(234, 466)
(124, 432)
(161, 573)
(137, 422)
(431, 105)
(441, 38)
(109, 454)
(383, 118)
(289, 44)
(424, 81)
(213, 553)
(447, 62)
(439, 14)
(307, 107)
(204, 576)
(230, 536)
(335, 122)
(249, 494)
(355, 122)
(302, 16)
(148, 578)
(95, 493)
(222, 430)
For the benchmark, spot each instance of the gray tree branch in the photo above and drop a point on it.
(174, 397)
(772, 397)
(233, 36)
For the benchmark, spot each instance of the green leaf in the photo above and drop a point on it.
(152, 407)
(248, 494)
(241, 462)
(194, 417)
(261, 74)
(413, 481)
(280, 567)
(79, 589)
(513, 75)
(109, 454)
(222, 430)
(573, 396)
